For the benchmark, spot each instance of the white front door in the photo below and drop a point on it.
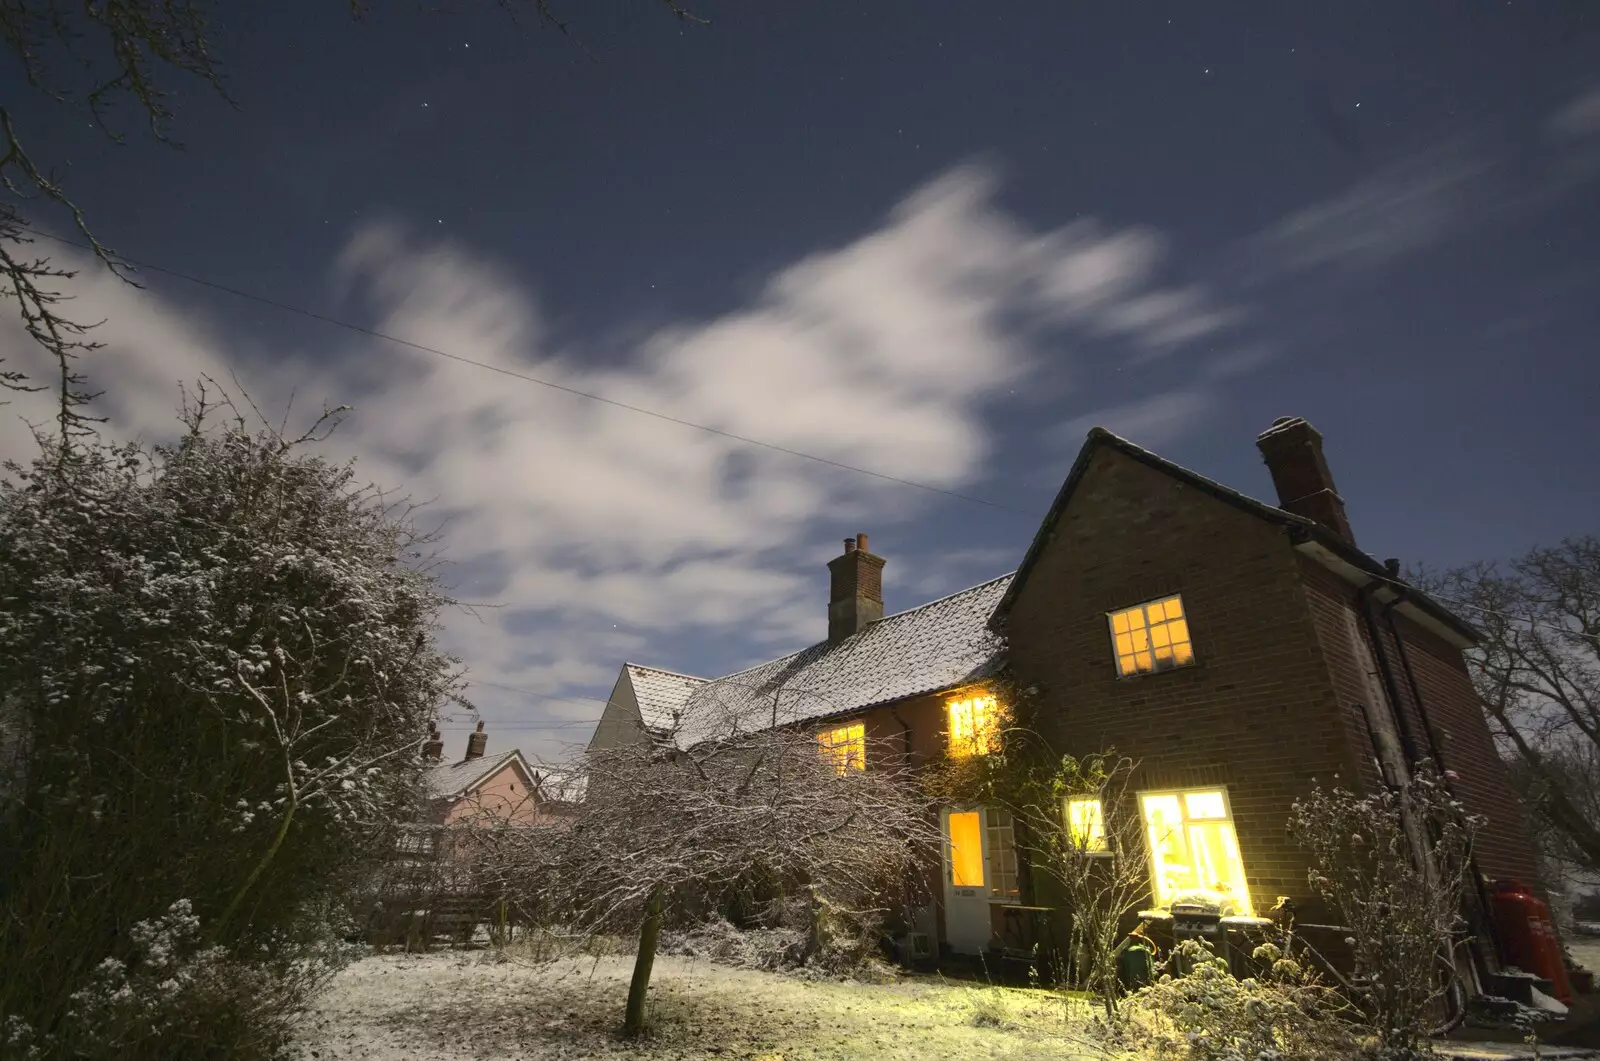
(979, 870)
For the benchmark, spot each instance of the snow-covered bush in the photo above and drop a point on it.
(217, 659)
(1393, 866)
(1206, 1014)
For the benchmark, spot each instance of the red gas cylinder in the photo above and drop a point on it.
(1527, 937)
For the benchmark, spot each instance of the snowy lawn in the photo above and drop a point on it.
(1585, 950)
(466, 1005)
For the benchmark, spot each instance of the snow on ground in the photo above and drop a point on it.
(466, 1006)
(1585, 950)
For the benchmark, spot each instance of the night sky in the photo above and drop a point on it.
(934, 240)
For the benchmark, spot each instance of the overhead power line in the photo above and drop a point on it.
(641, 410)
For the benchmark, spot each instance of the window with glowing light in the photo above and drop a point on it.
(1151, 637)
(844, 747)
(1194, 851)
(1086, 825)
(974, 726)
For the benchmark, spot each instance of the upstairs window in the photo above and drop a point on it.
(974, 726)
(844, 747)
(1086, 825)
(1151, 637)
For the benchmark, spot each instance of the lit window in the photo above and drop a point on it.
(974, 726)
(845, 747)
(1002, 854)
(1086, 825)
(1194, 851)
(966, 849)
(1151, 637)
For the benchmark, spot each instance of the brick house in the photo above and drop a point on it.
(1236, 649)
(480, 789)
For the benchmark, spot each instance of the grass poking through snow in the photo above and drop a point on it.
(468, 1005)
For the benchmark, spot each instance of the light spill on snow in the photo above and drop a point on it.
(465, 1005)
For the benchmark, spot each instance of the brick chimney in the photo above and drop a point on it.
(1292, 449)
(477, 741)
(855, 590)
(433, 747)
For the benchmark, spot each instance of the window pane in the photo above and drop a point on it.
(1178, 629)
(1168, 850)
(1156, 612)
(1141, 639)
(1126, 665)
(1195, 859)
(1086, 824)
(1183, 653)
(966, 850)
(1143, 660)
(1119, 623)
(1174, 607)
(1160, 636)
(1125, 644)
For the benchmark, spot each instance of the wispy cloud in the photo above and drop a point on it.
(1151, 422)
(1399, 209)
(606, 533)
(1578, 118)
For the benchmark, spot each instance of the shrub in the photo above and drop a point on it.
(1206, 1014)
(216, 666)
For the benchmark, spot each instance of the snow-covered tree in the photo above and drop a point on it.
(218, 661)
(739, 799)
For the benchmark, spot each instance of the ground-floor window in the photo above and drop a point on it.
(1002, 854)
(1194, 851)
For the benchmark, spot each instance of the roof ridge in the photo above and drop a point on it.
(665, 670)
(872, 625)
(941, 600)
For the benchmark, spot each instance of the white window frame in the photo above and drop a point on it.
(1116, 656)
(843, 764)
(1105, 837)
(1227, 810)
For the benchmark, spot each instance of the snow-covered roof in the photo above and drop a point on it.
(661, 694)
(937, 645)
(451, 780)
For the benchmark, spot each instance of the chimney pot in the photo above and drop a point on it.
(1292, 449)
(855, 590)
(477, 742)
(433, 747)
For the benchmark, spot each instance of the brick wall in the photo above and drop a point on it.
(1448, 702)
(1467, 748)
(1258, 712)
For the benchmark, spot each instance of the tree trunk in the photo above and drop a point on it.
(633, 1022)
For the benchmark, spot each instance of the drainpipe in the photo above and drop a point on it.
(894, 713)
(1485, 908)
(1391, 689)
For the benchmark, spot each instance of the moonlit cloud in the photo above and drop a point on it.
(604, 533)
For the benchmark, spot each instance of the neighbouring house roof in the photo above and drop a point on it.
(938, 645)
(1301, 530)
(454, 780)
(661, 694)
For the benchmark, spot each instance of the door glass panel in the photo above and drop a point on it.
(966, 849)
